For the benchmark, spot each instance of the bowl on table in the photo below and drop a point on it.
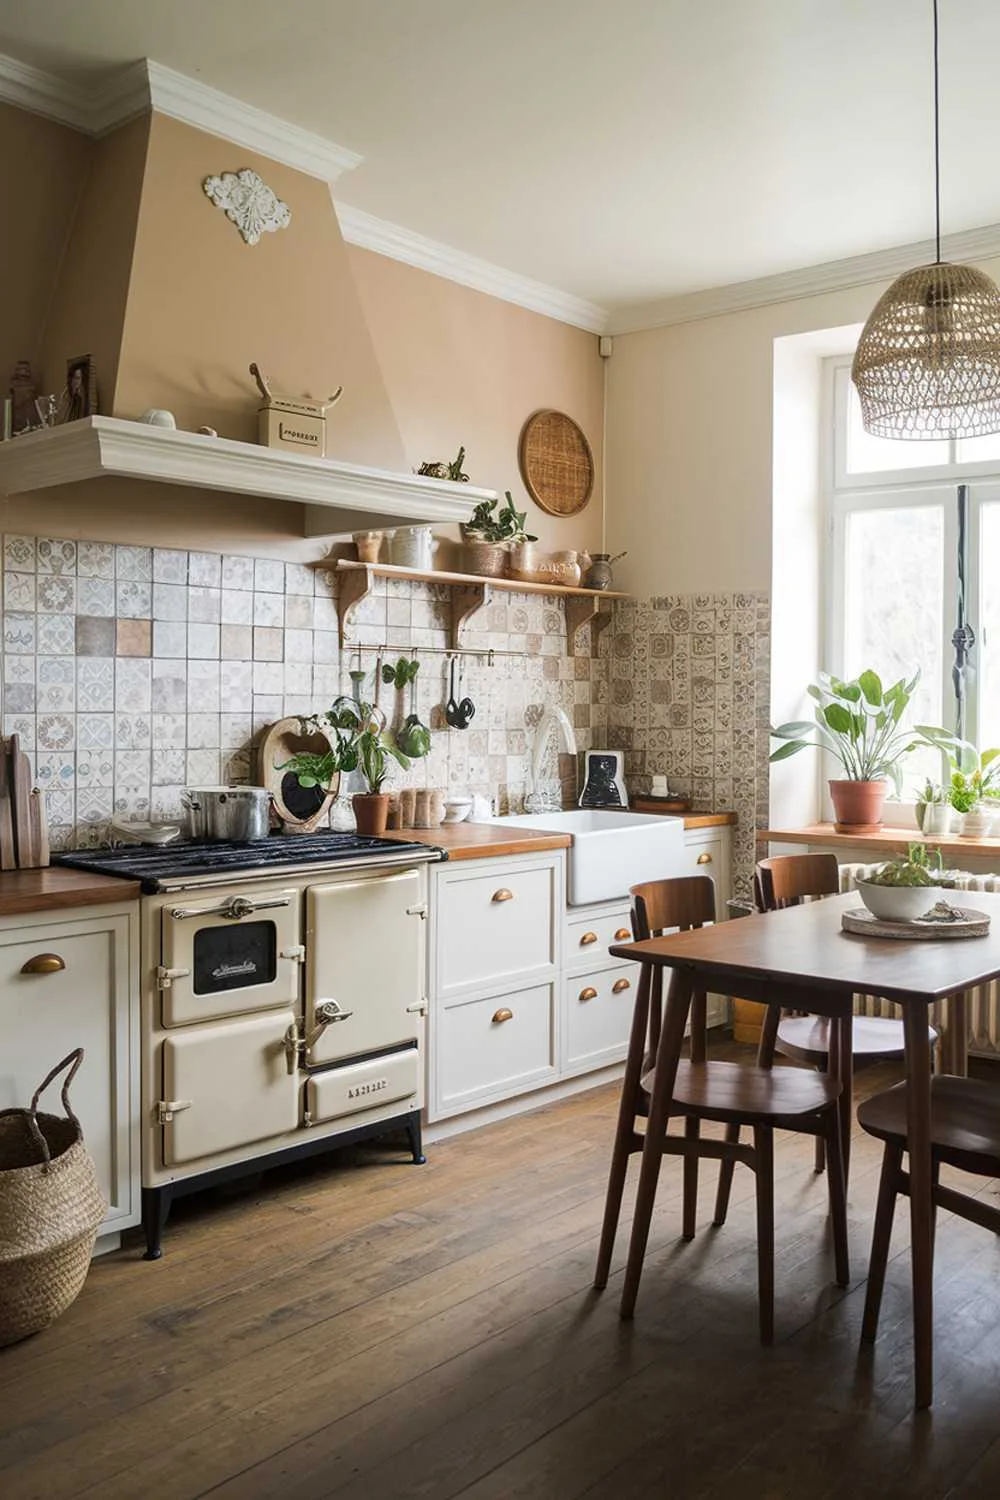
(899, 903)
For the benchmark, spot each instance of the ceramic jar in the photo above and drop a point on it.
(368, 544)
(410, 547)
(565, 569)
(977, 823)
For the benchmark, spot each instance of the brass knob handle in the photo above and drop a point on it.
(588, 994)
(704, 858)
(43, 963)
(623, 934)
(503, 1014)
(503, 894)
(619, 985)
(587, 939)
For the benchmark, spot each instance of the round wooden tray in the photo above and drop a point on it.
(860, 920)
(556, 462)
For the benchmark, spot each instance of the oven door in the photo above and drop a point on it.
(227, 955)
(365, 951)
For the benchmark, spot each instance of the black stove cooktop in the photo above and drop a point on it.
(161, 866)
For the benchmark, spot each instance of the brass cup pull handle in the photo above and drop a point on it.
(620, 985)
(588, 994)
(44, 963)
(587, 939)
(704, 858)
(503, 894)
(501, 1015)
(623, 934)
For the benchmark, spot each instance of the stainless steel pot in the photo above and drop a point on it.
(233, 813)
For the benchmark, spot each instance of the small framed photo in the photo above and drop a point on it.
(79, 399)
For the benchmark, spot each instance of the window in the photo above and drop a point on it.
(914, 531)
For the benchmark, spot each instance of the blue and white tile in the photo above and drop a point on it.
(93, 767)
(95, 731)
(18, 591)
(18, 634)
(205, 570)
(133, 564)
(236, 607)
(268, 609)
(24, 726)
(56, 556)
(237, 572)
(56, 731)
(203, 731)
(268, 576)
(19, 669)
(168, 767)
(55, 768)
(202, 768)
(19, 698)
(56, 594)
(133, 731)
(169, 689)
(60, 806)
(95, 596)
(95, 560)
(133, 599)
(170, 638)
(56, 635)
(169, 601)
(204, 689)
(169, 565)
(95, 684)
(169, 731)
(133, 684)
(203, 641)
(167, 804)
(132, 769)
(20, 553)
(204, 605)
(56, 681)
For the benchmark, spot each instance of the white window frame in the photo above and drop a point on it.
(846, 494)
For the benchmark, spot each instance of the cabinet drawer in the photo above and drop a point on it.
(495, 1046)
(598, 1016)
(588, 938)
(704, 856)
(496, 926)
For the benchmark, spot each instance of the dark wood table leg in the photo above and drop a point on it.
(841, 1067)
(918, 1134)
(667, 1055)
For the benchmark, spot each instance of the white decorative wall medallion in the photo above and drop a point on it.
(249, 202)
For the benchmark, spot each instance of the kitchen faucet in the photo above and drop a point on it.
(548, 800)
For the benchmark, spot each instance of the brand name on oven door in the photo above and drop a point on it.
(235, 971)
(360, 1090)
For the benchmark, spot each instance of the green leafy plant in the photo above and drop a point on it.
(360, 741)
(505, 525)
(933, 794)
(454, 469)
(975, 774)
(919, 866)
(859, 723)
(402, 674)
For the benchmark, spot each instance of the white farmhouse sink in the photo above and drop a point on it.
(611, 850)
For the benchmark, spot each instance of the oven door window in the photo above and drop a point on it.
(233, 958)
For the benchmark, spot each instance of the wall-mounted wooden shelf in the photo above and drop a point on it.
(470, 594)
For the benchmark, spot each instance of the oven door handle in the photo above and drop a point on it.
(236, 908)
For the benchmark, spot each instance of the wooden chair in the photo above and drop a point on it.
(730, 1093)
(965, 1133)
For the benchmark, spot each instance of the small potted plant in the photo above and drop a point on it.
(360, 742)
(859, 723)
(975, 782)
(906, 886)
(934, 809)
(490, 534)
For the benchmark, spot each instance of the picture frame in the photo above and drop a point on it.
(79, 399)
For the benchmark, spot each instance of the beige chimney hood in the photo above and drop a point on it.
(338, 496)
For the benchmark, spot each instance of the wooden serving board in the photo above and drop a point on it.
(861, 921)
(8, 856)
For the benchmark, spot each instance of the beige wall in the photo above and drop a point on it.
(465, 368)
(43, 167)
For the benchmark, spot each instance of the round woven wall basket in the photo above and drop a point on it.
(556, 463)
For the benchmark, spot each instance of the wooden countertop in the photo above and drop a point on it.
(709, 820)
(494, 840)
(56, 888)
(885, 841)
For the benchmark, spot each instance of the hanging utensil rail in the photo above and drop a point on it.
(386, 646)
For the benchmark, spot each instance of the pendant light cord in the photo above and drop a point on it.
(937, 146)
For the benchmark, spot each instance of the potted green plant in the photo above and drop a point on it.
(975, 781)
(859, 723)
(361, 742)
(490, 534)
(934, 809)
(906, 886)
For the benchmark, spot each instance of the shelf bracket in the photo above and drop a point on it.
(353, 587)
(581, 611)
(467, 599)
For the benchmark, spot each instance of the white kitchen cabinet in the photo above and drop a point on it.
(89, 1002)
(707, 852)
(598, 1017)
(491, 1047)
(498, 923)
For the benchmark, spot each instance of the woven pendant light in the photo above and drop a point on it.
(927, 364)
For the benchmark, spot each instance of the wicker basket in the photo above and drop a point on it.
(50, 1210)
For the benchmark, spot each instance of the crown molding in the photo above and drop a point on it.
(146, 86)
(810, 281)
(370, 233)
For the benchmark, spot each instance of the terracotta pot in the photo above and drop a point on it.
(371, 812)
(857, 805)
(485, 559)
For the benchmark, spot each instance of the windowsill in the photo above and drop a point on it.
(884, 842)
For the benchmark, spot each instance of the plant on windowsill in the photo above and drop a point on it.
(934, 809)
(858, 722)
(975, 782)
(360, 742)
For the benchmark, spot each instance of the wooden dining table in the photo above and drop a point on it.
(802, 959)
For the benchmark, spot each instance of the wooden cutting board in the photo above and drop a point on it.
(27, 833)
(8, 853)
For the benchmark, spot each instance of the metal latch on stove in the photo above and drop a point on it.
(325, 1013)
(167, 1108)
(165, 977)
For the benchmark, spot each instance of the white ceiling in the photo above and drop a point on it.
(621, 150)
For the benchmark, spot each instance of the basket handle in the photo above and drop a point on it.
(72, 1060)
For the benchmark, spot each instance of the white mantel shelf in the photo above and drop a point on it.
(339, 497)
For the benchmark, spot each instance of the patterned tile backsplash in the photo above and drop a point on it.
(130, 672)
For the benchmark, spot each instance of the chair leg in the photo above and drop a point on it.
(819, 1160)
(768, 1036)
(726, 1169)
(763, 1141)
(692, 1128)
(838, 1198)
(625, 1131)
(892, 1161)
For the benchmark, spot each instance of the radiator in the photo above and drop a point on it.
(983, 1002)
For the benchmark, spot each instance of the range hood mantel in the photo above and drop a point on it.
(339, 496)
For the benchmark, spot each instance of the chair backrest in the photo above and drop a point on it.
(665, 905)
(790, 879)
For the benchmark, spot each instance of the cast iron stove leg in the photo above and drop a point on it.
(155, 1211)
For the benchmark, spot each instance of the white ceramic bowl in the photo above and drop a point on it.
(899, 903)
(457, 809)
